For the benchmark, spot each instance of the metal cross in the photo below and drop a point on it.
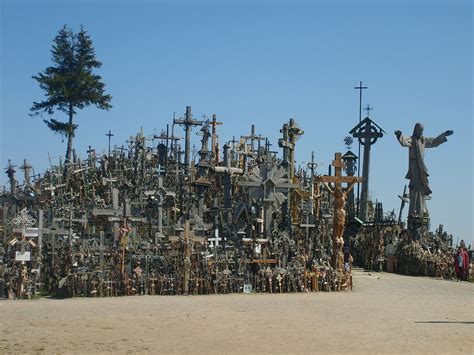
(360, 88)
(368, 108)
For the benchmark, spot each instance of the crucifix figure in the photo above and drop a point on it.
(417, 172)
(339, 214)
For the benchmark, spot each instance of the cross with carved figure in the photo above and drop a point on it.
(339, 214)
(338, 179)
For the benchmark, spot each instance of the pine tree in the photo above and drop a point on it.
(70, 84)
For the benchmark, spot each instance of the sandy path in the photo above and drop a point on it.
(384, 313)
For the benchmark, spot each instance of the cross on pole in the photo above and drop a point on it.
(367, 132)
(110, 135)
(360, 88)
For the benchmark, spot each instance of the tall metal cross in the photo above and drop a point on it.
(360, 88)
(110, 135)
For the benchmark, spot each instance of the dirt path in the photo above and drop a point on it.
(384, 313)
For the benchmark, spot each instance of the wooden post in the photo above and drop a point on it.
(187, 258)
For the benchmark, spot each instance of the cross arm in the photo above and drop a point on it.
(340, 179)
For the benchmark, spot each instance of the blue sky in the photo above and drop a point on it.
(262, 63)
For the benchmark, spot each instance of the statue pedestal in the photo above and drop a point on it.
(418, 227)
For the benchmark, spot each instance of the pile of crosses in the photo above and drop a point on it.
(152, 218)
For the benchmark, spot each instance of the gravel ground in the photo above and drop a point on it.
(386, 313)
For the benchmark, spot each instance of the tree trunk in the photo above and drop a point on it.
(70, 134)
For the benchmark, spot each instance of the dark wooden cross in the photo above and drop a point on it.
(110, 135)
(188, 122)
(338, 179)
(215, 148)
(253, 137)
(26, 167)
(49, 158)
(405, 198)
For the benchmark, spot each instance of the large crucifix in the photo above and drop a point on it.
(339, 214)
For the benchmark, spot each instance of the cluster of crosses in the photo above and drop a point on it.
(150, 217)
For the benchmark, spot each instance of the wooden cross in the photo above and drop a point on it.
(253, 137)
(188, 122)
(110, 135)
(215, 148)
(340, 196)
(338, 179)
(49, 158)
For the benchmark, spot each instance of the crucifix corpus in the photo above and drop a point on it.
(339, 215)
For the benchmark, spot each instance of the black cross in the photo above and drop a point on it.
(110, 135)
(368, 109)
(360, 88)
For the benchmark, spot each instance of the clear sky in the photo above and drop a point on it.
(262, 63)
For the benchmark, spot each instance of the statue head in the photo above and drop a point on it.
(418, 130)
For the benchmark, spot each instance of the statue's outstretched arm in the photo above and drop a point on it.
(434, 142)
(404, 141)
(351, 185)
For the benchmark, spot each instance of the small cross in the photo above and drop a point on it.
(368, 108)
(160, 170)
(49, 158)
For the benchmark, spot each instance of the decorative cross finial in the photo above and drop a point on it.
(368, 108)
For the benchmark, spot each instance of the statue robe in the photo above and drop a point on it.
(417, 171)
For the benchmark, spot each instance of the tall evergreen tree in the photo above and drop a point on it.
(70, 84)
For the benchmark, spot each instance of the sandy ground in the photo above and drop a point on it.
(385, 313)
